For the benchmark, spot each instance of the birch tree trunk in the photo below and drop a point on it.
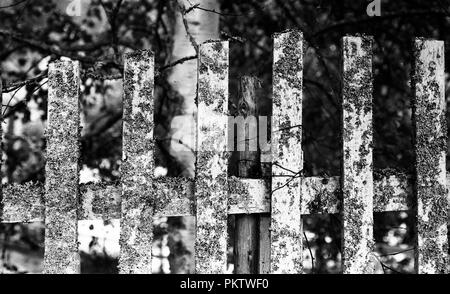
(201, 26)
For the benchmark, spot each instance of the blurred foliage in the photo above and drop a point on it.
(33, 33)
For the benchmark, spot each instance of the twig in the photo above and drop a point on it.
(176, 62)
(233, 38)
(186, 26)
(293, 177)
(7, 105)
(44, 47)
(13, 4)
(197, 6)
(398, 252)
(385, 16)
(13, 86)
(310, 252)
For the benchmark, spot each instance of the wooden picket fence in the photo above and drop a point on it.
(212, 196)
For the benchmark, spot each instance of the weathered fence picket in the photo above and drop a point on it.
(211, 186)
(357, 179)
(212, 195)
(287, 154)
(430, 147)
(61, 170)
(137, 168)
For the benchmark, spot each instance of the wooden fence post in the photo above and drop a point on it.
(429, 109)
(246, 232)
(287, 154)
(61, 169)
(357, 180)
(264, 243)
(138, 164)
(211, 188)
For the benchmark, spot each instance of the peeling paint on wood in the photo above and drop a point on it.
(61, 169)
(138, 164)
(287, 154)
(212, 159)
(429, 108)
(357, 181)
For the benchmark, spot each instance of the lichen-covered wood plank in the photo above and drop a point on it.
(174, 196)
(429, 108)
(23, 203)
(393, 192)
(287, 154)
(138, 164)
(61, 169)
(357, 181)
(248, 196)
(99, 201)
(211, 189)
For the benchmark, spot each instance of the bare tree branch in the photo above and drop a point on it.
(13, 4)
(385, 16)
(182, 10)
(197, 6)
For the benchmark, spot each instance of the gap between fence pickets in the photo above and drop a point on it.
(24, 202)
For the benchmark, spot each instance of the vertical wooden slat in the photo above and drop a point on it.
(287, 155)
(138, 164)
(430, 148)
(246, 232)
(357, 181)
(264, 244)
(61, 169)
(212, 159)
(266, 173)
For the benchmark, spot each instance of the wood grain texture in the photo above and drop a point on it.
(212, 159)
(357, 180)
(136, 232)
(287, 154)
(429, 109)
(246, 225)
(264, 244)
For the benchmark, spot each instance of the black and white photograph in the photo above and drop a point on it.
(224, 137)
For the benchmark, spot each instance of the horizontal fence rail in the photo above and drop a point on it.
(287, 195)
